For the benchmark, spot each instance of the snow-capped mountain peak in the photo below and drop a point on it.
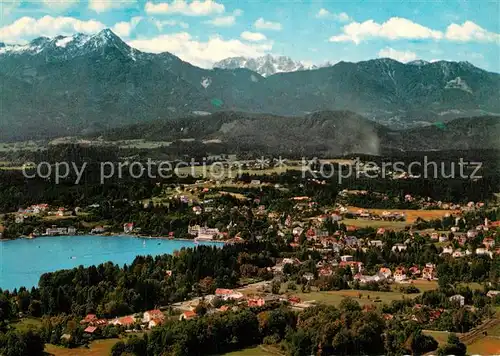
(66, 47)
(266, 65)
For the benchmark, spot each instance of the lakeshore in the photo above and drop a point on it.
(23, 261)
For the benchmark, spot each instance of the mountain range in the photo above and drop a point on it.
(80, 84)
(327, 133)
(267, 65)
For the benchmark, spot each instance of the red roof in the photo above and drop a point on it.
(127, 320)
(156, 314)
(89, 318)
(222, 291)
(189, 314)
(90, 329)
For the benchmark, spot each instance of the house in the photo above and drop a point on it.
(346, 258)
(100, 322)
(353, 265)
(458, 254)
(292, 261)
(493, 293)
(256, 302)
(481, 251)
(399, 275)
(429, 273)
(399, 247)
(224, 308)
(152, 314)
(98, 230)
(71, 230)
(434, 236)
(227, 294)
(414, 270)
(386, 272)
(336, 217)
(471, 234)
(38, 209)
(124, 321)
(380, 231)
(308, 276)
(489, 242)
(20, 218)
(90, 329)
(90, 318)
(187, 315)
(447, 250)
(351, 241)
(457, 298)
(155, 322)
(375, 243)
(443, 238)
(128, 228)
(206, 233)
(367, 279)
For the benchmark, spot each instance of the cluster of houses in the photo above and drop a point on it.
(327, 268)
(149, 319)
(235, 300)
(399, 275)
(40, 209)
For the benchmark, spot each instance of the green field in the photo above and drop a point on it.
(27, 323)
(367, 297)
(96, 348)
(362, 223)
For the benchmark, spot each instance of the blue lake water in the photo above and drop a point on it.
(23, 261)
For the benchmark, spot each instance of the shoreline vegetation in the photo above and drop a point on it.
(120, 235)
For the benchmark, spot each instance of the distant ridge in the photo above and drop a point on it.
(72, 85)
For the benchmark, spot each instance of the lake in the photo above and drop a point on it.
(23, 261)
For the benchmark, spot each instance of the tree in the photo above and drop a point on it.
(118, 349)
(453, 347)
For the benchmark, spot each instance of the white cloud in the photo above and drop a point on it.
(124, 29)
(253, 36)
(171, 23)
(325, 14)
(203, 54)
(262, 24)
(27, 28)
(107, 5)
(194, 8)
(401, 56)
(470, 32)
(223, 21)
(238, 12)
(394, 28)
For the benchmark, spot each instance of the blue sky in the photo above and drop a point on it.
(205, 31)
